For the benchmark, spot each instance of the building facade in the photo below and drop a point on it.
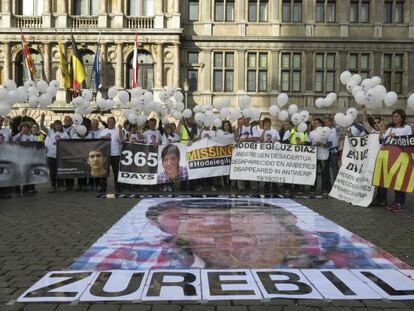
(220, 47)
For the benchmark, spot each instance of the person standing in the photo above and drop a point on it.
(5, 138)
(116, 136)
(333, 149)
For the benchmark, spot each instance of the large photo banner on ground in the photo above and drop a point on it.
(209, 158)
(394, 167)
(354, 181)
(138, 164)
(281, 163)
(23, 163)
(83, 158)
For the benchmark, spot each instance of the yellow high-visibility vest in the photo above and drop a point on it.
(183, 134)
(293, 137)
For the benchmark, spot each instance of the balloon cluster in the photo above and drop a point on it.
(410, 102)
(346, 119)
(368, 92)
(38, 94)
(327, 101)
(297, 117)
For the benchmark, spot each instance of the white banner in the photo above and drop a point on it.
(354, 181)
(209, 157)
(281, 163)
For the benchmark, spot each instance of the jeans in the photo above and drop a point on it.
(333, 163)
(382, 194)
(114, 161)
(323, 172)
(52, 163)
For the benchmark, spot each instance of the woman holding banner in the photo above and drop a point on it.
(398, 127)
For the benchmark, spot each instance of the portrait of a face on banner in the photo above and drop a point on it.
(23, 163)
(172, 164)
(83, 158)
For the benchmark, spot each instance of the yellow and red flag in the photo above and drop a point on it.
(27, 59)
(78, 69)
(64, 68)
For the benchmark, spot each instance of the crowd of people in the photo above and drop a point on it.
(188, 131)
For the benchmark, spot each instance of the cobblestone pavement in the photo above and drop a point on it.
(47, 232)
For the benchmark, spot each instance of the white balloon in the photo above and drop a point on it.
(179, 97)
(305, 115)
(197, 108)
(390, 99)
(187, 113)
(302, 127)
(163, 96)
(353, 112)
(224, 113)
(292, 109)
(199, 117)
(339, 118)
(32, 91)
(317, 135)
(123, 96)
(220, 133)
(357, 78)
(34, 101)
(330, 99)
(217, 123)
(4, 94)
(4, 108)
(169, 103)
(226, 102)
(244, 102)
(320, 102)
(179, 106)
(141, 120)
(410, 102)
(356, 89)
(112, 91)
(256, 114)
(132, 118)
(235, 114)
(345, 77)
(109, 104)
(274, 110)
(367, 84)
(283, 115)
(100, 103)
(77, 119)
(10, 85)
(372, 100)
(45, 100)
(81, 130)
(148, 96)
(282, 99)
(296, 118)
(218, 105)
(350, 85)
(380, 92)
(348, 121)
(42, 86)
(78, 101)
(136, 92)
(54, 84)
(13, 97)
(52, 91)
(247, 112)
(375, 81)
(29, 83)
(360, 98)
(22, 94)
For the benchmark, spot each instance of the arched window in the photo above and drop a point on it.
(145, 70)
(87, 58)
(29, 7)
(140, 7)
(85, 7)
(21, 71)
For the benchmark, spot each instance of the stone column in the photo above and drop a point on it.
(103, 14)
(159, 66)
(343, 16)
(241, 18)
(103, 63)
(308, 18)
(6, 14)
(46, 61)
(62, 14)
(47, 14)
(159, 15)
(206, 17)
(176, 15)
(119, 65)
(118, 20)
(239, 70)
(377, 8)
(207, 70)
(7, 61)
(274, 17)
(410, 78)
(274, 74)
(177, 60)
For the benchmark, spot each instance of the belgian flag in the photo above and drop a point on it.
(78, 69)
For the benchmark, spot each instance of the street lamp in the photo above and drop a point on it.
(186, 88)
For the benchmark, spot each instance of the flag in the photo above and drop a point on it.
(78, 70)
(64, 68)
(96, 69)
(27, 59)
(135, 63)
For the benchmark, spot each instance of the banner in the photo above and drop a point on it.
(209, 158)
(138, 164)
(83, 158)
(354, 181)
(281, 163)
(23, 163)
(394, 167)
(150, 165)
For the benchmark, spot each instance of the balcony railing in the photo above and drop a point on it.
(85, 21)
(141, 22)
(28, 21)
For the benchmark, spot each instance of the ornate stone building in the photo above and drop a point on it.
(220, 47)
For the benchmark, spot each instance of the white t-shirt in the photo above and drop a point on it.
(399, 131)
(271, 135)
(149, 136)
(94, 134)
(116, 141)
(248, 131)
(323, 152)
(333, 138)
(20, 137)
(50, 142)
(208, 134)
(171, 139)
(5, 135)
(69, 131)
